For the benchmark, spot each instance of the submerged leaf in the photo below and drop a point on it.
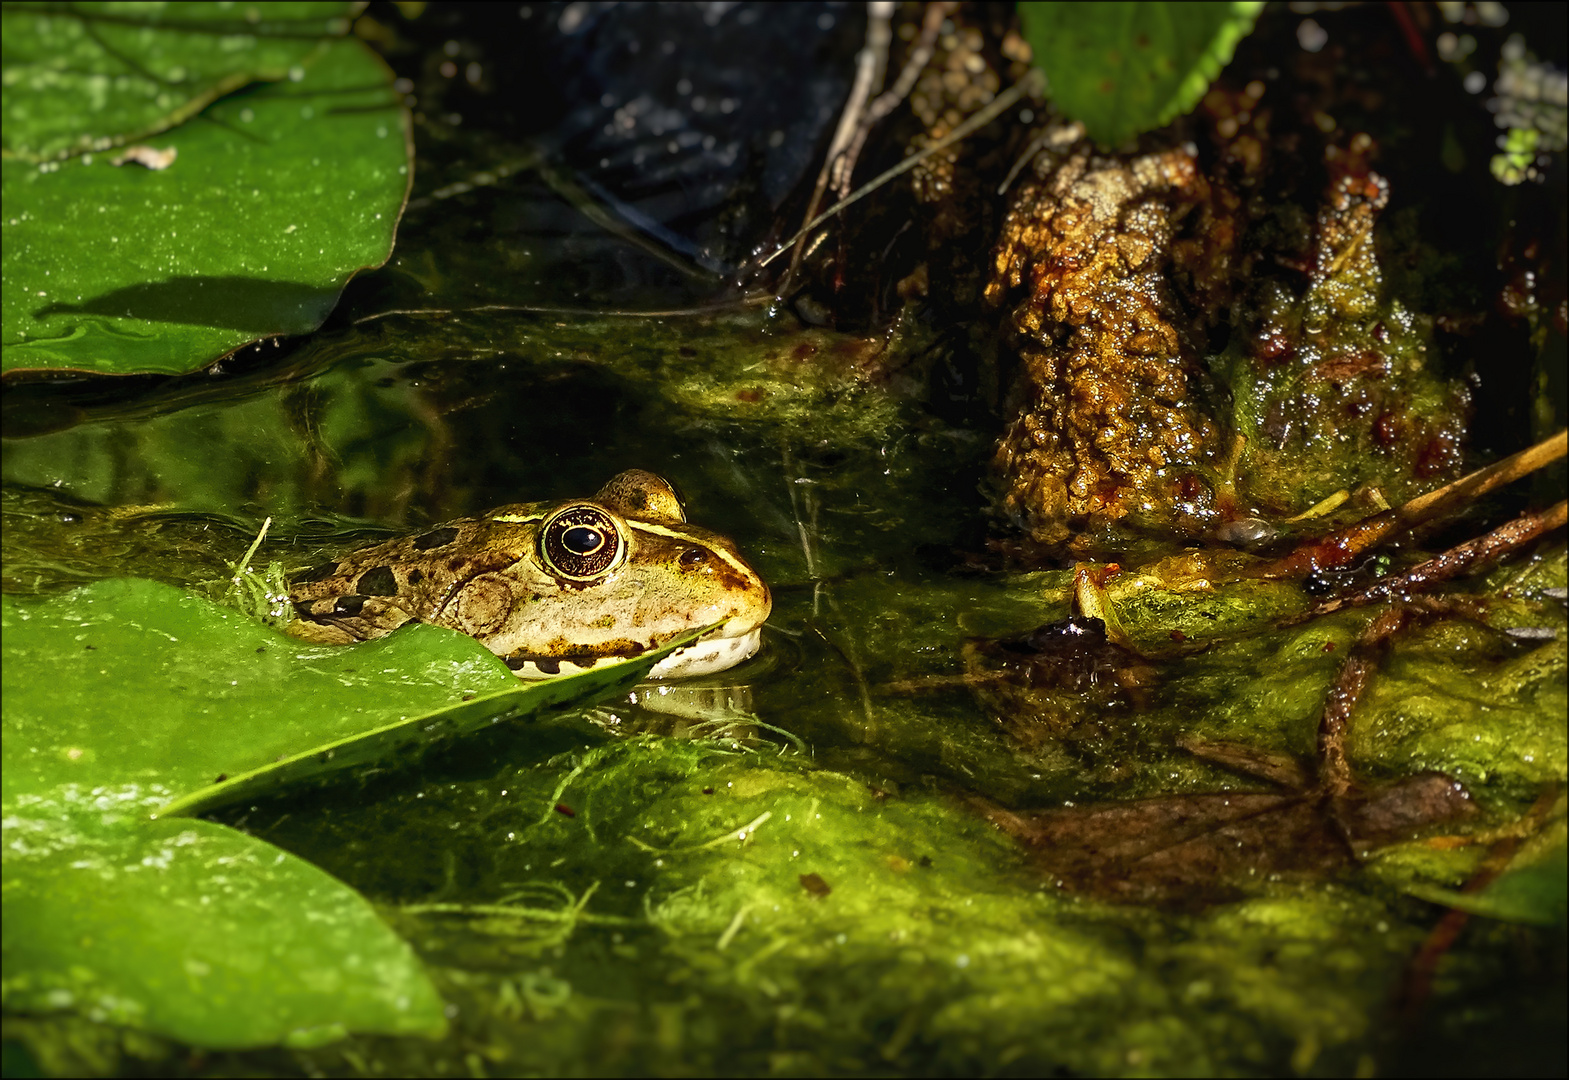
(1535, 893)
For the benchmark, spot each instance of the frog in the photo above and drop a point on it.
(553, 588)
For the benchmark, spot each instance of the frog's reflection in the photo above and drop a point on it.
(722, 713)
(719, 706)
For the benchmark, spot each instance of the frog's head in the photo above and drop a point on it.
(617, 575)
(553, 588)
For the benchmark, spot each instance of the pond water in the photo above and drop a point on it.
(871, 917)
(805, 865)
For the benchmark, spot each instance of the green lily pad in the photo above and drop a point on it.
(128, 702)
(274, 199)
(1126, 68)
(192, 930)
(87, 77)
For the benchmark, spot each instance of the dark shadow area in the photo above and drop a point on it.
(249, 305)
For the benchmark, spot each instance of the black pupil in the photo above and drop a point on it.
(582, 540)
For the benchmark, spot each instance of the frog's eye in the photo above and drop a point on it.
(581, 543)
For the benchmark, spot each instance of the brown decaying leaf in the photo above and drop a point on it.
(1192, 850)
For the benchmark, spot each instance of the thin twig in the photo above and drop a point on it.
(1417, 986)
(870, 65)
(1001, 104)
(1352, 542)
(245, 562)
(890, 100)
(614, 224)
(1036, 145)
(734, 834)
(879, 38)
(1452, 563)
(747, 300)
(1484, 480)
(1334, 770)
(920, 56)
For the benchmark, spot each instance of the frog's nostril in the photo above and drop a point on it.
(693, 557)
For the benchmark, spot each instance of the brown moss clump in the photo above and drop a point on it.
(1108, 403)
(1336, 390)
(1191, 353)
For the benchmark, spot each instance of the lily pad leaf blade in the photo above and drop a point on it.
(272, 199)
(90, 76)
(196, 932)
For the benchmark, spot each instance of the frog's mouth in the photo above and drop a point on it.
(700, 658)
(708, 656)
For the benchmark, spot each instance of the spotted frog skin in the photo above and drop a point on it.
(552, 588)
